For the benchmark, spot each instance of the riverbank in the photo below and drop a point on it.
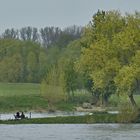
(27, 97)
(86, 119)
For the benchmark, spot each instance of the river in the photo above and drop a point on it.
(70, 132)
(8, 116)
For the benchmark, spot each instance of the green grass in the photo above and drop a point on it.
(115, 101)
(97, 118)
(137, 99)
(12, 89)
(87, 119)
(22, 97)
(65, 106)
(27, 97)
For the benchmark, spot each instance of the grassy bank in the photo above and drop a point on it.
(25, 97)
(22, 97)
(88, 119)
(116, 100)
(98, 118)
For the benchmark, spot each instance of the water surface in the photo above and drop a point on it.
(70, 132)
(7, 116)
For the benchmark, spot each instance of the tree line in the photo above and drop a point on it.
(104, 61)
(110, 54)
(45, 36)
(102, 57)
(26, 55)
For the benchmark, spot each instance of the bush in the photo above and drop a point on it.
(127, 113)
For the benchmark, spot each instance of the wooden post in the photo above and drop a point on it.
(30, 115)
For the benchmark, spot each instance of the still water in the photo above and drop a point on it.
(43, 115)
(70, 132)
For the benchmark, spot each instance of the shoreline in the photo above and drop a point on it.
(86, 119)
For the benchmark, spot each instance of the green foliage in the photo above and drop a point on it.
(73, 80)
(137, 98)
(115, 100)
(19, 61)
(11, 69)
(105, 60)
(125, 80)
(65, 106)
(32, 68)
(52, 87)
(28, 97)
(112, 53)
(127, 113)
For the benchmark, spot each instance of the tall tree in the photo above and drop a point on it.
(29, 34)
(49, 35)
(52, 87)
(10, 34)
(114, 40)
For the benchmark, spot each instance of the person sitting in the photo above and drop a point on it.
(22, 116)
(17, 116)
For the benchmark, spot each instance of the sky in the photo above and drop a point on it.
(60, 13)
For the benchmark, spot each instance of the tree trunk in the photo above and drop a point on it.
(102, 100)
(132, 100)
(72, 95)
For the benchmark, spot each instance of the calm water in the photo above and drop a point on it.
(70, 132)
(43, 115)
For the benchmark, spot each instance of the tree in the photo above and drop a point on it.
(128, 78)
(49, 35)
(114, 42)
(32, 67)
(52, 87)
(43, 66)
(11, 69)
(10, 34)
(72, 79)
(27, 54)
(29, 34)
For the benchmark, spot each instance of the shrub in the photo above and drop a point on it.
(127, 113)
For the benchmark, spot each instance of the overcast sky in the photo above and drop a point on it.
(61, 13)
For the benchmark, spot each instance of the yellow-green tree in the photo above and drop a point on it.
(52, 87)
(112, 53)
